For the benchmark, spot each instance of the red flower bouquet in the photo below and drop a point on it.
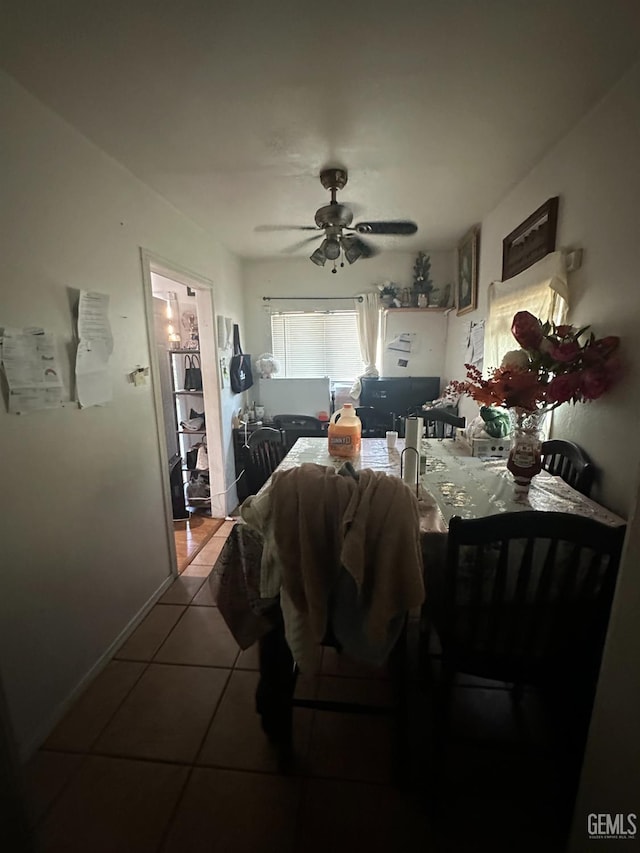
(552, 367)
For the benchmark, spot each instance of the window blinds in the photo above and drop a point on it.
(314, 344)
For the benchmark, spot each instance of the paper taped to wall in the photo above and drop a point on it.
(406, 342)
(93, 380)
(30, 363)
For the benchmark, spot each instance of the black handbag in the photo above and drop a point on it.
(240, 369)
(192, 456)
(192, 373)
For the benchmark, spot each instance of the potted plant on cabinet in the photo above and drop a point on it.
(423, 289)
(389, 295)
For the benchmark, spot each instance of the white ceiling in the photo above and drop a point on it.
(436, 108)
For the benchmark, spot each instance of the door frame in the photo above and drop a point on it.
(205, 295)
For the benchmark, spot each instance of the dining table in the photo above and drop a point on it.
(450, 481)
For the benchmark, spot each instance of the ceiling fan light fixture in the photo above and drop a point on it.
(351, 248)
(319, 257)
(331, 248)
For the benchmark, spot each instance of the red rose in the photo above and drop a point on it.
(527, 330)
(606, 346)
(562, 388)
(568, 351)
(595, 381)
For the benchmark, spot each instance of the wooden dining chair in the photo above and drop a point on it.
(261, 455)
(568, 461)
(441, 422)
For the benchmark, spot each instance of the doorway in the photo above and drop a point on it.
(180, 316)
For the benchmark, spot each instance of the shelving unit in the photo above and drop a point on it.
(182, 408)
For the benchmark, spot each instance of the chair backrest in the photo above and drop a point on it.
(526, 596)
(375, 423)
(438, 419)
(261, 456)
(297, 422)
(294, 427)
(569, 461)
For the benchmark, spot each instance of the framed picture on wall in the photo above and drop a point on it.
(467, 278)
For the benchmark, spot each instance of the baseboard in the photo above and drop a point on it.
(26, 751)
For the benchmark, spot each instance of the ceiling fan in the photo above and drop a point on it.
(333, 222)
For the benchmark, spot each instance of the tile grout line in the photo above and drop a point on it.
(215, 711)
(88, 753)
(165, 834)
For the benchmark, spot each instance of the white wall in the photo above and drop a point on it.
(594, 171)
(299, 277)
(427, 349)
(84, 545)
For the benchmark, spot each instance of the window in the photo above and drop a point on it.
(540, 289)
(314, 344)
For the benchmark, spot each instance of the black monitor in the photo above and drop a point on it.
(401, 394)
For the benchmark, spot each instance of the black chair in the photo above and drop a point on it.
(375, 423)
(294, 427)
(262, 454)
(276, 699)
(568, 461)
(441, 422)
(524, 598)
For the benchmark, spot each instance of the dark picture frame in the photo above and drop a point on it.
(467, 276)
(531, 240)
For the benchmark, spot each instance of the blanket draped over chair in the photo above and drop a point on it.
(343, 551)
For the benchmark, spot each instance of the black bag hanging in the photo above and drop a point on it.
(192, 373)
(240, 370)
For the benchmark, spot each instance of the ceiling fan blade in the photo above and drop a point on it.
(397, 226)
(285, 228)
(368, 249)
(302, 243)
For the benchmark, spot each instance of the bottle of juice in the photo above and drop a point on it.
(345, 430)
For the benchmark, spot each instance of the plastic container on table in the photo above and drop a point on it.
(345, 431)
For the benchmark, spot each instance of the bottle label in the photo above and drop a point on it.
(339, 440)
(524, 458)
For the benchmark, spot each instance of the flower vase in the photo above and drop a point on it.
(525, 456)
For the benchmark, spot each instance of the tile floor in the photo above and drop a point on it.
(164, 754)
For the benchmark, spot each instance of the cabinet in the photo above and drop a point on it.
(188, 406)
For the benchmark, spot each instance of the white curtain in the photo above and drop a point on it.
(368, 318)
(541, 289)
